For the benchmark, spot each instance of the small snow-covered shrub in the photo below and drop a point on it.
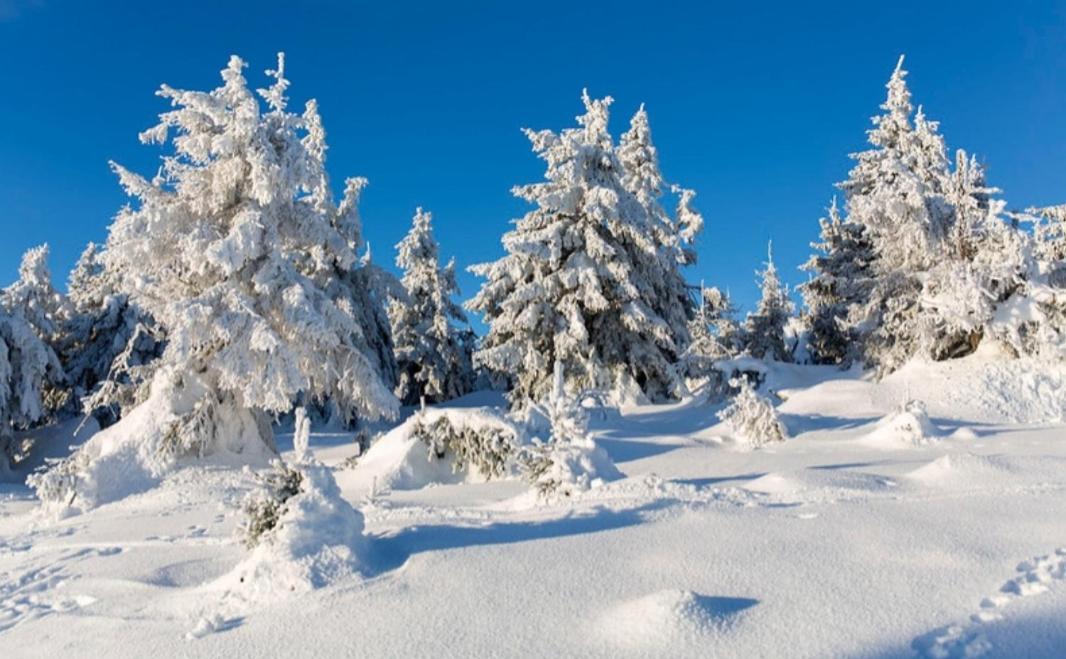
(314, 539)
(263, 509)
(752, 417)
(487, 449)
(908, 424)
(562, 469)
(570, 461)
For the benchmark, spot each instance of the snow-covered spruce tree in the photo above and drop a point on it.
(231, 248)
(568, 288)
(109, 346)
(752, 417)
(34, 301)
(665, 291)
(896, 193)
(714, 333)
(432, 356)
(29, 370)
(840, 278)
(764, 329)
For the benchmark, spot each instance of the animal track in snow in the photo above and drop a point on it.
(1035, 576)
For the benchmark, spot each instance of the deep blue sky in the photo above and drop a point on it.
(754, 107)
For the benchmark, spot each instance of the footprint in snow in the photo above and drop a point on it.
(966, 639)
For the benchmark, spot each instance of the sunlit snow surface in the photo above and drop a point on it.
(851, 538)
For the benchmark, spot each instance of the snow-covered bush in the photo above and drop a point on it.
(306, 534)
(581, 269)
(234, 248)
(484, 448)
(183, 417)
(569, 462)
(263, 509)
(909, 423)
(433, 358)
(752, 417)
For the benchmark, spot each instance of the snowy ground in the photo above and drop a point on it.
(847, 540)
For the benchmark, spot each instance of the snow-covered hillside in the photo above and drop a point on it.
(917, 515)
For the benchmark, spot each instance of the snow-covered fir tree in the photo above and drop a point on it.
(39, 303)
(109, 346)
(665, 291)
(714, 331)
(569, 462)
(427, 325)
(34, 302)
(764, 329)
(29, 370)
(840, 277)
(232, 248)
(363, 289)
(569, 287)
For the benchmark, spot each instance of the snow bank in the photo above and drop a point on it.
(135, 453)
(318, 540)
(986, 387)
(400, 460)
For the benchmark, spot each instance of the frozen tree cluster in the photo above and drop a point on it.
(237, 287)
(591, 277)
(924, 255)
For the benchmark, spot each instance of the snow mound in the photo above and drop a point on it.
(670, 616)
(318, 540)
(400, 460)
(962, 469)
(773, 484)
(909, 424)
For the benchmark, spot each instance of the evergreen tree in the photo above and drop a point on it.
(840, 279)
(666, 294)
(765, 328)
(232, 248)
(895, 193)
(568, 288)
(715, 334)
(109, 345)
(32, 302)
(434, 363)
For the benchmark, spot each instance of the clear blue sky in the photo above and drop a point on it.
(756, 107)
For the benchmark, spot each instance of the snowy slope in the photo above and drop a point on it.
(829, 544)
